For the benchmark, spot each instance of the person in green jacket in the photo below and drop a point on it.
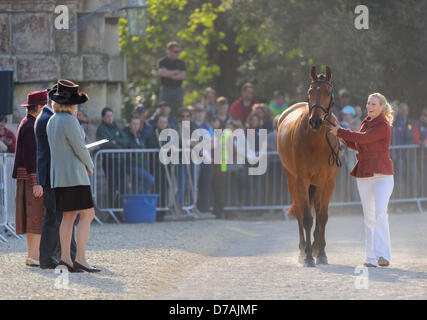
(278, 104)
(138, 163)
(113, 164)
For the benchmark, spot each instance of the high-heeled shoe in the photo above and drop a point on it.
(83, 268)
(70, 268)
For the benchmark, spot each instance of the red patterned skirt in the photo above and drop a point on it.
(29, 211)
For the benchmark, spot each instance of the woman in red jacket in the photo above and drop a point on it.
(374, 174)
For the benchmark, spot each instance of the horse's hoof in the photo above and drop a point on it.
(321, 260)
(309, 263)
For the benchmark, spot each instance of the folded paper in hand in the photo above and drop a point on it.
(97, 143)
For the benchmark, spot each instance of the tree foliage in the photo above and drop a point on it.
(273, 44)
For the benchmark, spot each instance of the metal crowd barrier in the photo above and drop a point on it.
(118, 172)
(270, 191)
(7, 194)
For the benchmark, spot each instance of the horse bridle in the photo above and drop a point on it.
(318, 105)
(334, 155)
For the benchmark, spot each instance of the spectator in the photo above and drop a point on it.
(7, 138)
(164, 109)
(357, 121)
(172, 72)
(419, 131)
(219, 178)
(301, 92)
(272, 136)
(158, 170)
(112, 164)
(209, 100)
(394, 109)
(222, 111)
(204, 173)
(137, 168)
(213, 121)
(265, 116)
(255, 122)
(238, 173)
(160, 123)
(278, 104)
(183, 179)
(82, 117)
(400, 131)
(420, 137)
(241, 108)
(29, 208)
(343, 101)
(347, 115)
(199, 115)
(145, 127)
(272, 178)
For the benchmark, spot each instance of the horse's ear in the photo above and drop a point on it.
(313, 73)
(328, 73)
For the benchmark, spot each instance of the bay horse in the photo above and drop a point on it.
(311, 163)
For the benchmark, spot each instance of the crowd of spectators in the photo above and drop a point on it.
(212, 112)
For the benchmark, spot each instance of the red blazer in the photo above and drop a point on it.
(373, 143)
(26, 151)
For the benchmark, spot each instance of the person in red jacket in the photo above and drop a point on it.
(7, 138)
(241, 108)
(374, 174)
(29, 207)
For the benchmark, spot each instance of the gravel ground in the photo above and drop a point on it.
(226, 259)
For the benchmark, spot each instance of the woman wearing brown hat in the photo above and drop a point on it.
(71, 166)
(29, 208)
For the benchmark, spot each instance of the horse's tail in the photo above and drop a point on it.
(290, 210)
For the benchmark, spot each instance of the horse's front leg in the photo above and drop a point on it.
(308, 224)
(301, 241)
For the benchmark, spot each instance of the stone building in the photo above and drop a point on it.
(40, 54)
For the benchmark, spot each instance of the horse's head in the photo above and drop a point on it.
(320, 98)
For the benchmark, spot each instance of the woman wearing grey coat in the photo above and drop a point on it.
(71, 166)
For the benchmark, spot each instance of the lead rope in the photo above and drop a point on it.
(334, 158)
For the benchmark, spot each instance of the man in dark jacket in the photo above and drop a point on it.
(113, 164)
(52, 220)
(137, 167)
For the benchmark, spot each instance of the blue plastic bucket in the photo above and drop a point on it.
(139, 207)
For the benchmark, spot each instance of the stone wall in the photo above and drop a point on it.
(88, 53)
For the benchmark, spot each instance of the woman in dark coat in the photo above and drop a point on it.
(29, 208)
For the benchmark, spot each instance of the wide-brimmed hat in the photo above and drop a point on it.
(67, 92)
(36, 98)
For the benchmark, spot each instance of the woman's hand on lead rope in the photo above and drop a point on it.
(37, 191)
(334, 129)
(89, 172)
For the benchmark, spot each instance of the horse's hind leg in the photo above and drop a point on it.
(305, 219)
(292, 186)
(321, 204)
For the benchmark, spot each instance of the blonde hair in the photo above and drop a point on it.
(388, 111)
(68, 108)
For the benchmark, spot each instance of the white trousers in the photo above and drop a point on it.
(375, 194)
